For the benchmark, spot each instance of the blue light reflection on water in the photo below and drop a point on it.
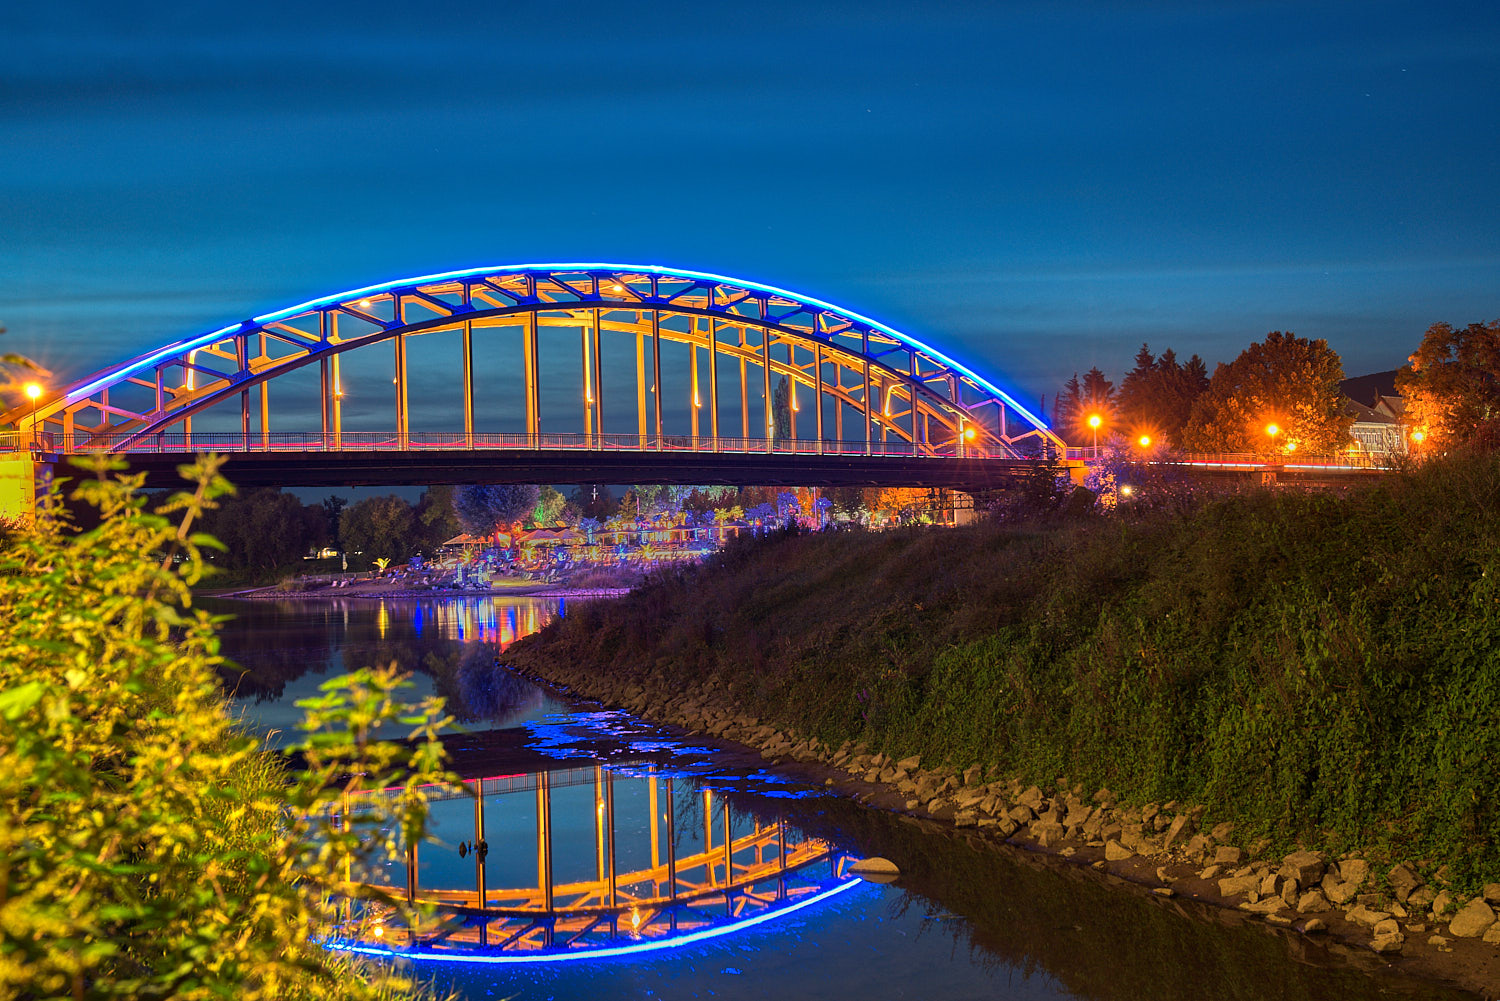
(860, 944)
(575, 735)
(481, 958)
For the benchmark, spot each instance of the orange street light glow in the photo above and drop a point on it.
(1417, 436)
(968, 434)
(33, 390)
(1291, 446)
(1095, 420)
(1272, 430)
(1145, 441)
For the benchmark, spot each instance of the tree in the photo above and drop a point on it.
(263, 530)
(650, 498)
(1451, 383)
(380, 526)
(548, 508)
(333, 506)
(151, 848)
(1098, 392)
(484, 508)
(1156, 397)
(435, 522)
(1067, 411)
(709, 498)
(781, 412)
(15, 371)
(595, 500)
(1285, 380)
(1077, 402)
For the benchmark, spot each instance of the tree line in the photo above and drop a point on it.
(267, 532)
(1285, 383)
(1282, 394)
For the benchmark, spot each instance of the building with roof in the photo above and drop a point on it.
(1376, 407)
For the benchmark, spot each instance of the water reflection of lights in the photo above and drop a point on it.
(604, 952)
(485, 620)
(737, 870)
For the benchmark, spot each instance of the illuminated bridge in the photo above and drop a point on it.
(651, 375)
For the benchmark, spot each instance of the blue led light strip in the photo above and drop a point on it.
(111, 375)
(605, 953)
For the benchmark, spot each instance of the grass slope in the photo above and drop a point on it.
(1321, 669)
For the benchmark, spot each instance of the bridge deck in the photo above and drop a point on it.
(431, 467)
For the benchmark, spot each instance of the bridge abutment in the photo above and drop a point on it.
(21, 480)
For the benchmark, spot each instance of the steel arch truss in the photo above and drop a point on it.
(900, 389)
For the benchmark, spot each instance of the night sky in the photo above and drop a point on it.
(1036, 188)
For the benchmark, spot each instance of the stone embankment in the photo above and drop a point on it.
(1392, 911)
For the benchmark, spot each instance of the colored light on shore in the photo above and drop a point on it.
(33, 390)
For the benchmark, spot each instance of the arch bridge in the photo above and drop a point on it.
(653, 375)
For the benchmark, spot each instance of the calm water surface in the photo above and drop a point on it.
(966, 920)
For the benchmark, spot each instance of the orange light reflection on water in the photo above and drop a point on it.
(486, 620)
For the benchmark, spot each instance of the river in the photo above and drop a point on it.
(572, 794)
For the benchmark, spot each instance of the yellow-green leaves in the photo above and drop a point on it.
(148, 848)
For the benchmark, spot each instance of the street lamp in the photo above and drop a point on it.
(1273, 431)
(1418, 437)
(33, 393)
(1145, 441)
(1094, 421)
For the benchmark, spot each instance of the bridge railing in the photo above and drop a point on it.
(53, 443)
(1242, 460)
(1245, 460)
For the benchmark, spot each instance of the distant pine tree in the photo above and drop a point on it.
(1067, 409)
(781, 412)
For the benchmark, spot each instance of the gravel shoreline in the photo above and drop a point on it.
(1374, 916)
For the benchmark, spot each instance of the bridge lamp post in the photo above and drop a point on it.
(1094, 421)
(33, 392)
(1144, 441)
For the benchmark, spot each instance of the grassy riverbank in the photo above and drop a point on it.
(1317, 669)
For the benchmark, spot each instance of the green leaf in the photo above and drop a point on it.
(18, 701)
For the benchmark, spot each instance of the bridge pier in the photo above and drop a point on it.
(22, 482)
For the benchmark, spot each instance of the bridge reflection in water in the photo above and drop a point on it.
(591, 863)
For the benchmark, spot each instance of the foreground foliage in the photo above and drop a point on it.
(148, 848)
(1316, 668)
